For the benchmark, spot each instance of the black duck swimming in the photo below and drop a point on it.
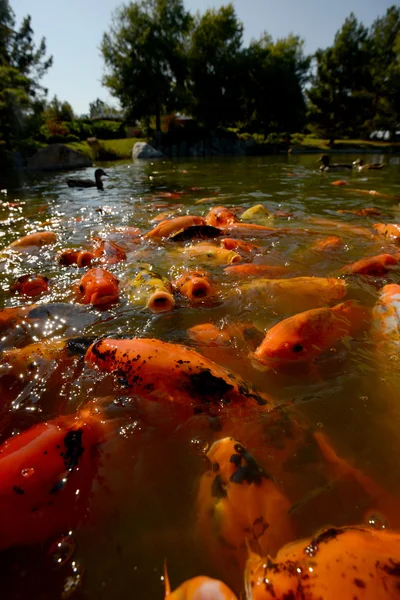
(84, 183)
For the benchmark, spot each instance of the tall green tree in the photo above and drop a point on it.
(276, 75)
(385, 69)
(341, 96)
(22, 65)
(216, 66)
(145, 57)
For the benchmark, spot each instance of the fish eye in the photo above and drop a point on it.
(298, 348)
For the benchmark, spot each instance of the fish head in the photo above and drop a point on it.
(31, 285)
(99, 289)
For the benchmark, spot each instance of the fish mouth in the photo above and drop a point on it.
(102, 297)
(234, 258)
(198, 289)
(160, 302)
(34, 289)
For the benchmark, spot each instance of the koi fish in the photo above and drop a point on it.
(167, 228)
(254, 211)
(108, 253)
(172, 372)
(328, 244)
(374, 265)
(39, 239)
(344, 227)
(232, 244)
(22, 362)
(386, 314)
(195, 232)
(363, 212)
(374, 193)
(70, 256)
(195, 285)
(346, 562)
(390, 230)
(237, 334)
(270, 271)
(307, 334)
(304, 292)
(206, 252)
(240, 505)
(199, 588)
(30, 285)
(9, 317)
(219, 216)
(149, 289)
(254, 230)
(98, 287)
(340, 182)
(46, 476)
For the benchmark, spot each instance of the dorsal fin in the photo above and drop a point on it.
(166, 580)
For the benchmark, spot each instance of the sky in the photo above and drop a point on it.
(74, 28)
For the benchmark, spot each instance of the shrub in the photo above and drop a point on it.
(108, 130)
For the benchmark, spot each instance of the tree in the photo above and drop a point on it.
(98, 108)
(341, 94)
(144, 53)
(59, 111)
(276, 75)
(22, 65)
(385, 68)
(216, 67)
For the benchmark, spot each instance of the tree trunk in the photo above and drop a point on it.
(158, 116)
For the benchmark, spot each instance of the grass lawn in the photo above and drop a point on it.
(116, 149)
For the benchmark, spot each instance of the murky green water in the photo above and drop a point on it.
(143, 504)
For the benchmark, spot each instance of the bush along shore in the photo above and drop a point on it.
(212, 143)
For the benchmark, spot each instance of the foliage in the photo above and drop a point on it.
(99, 108)
(216, 67)
(276, 74)
(22, 65)
(356, 88)
(144, 52)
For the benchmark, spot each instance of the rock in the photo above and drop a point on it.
(58, 156)
(143, 150)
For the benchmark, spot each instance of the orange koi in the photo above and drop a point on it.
(374, 193)
(9, 317)
(340, 182)
(126, 230)
(307, 334)
(219, 216)
(108, 253)
(199, 588)
(346, 562)
(70, 256)
(269, 271)
(166, 228)
(40, 238)
(308, 292)
(252, 229)
(363, 212)
(328, 244)
(390, 230)
(98, 287)
(195, 285)
(229, 334)
(30, 285)
(239, 504)
(46, 477)
(172, 372)
(344, 227)
(386, 314)
(374, 265)
(232, 244)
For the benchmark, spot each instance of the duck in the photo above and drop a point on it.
(360, 165)
(84, 183)
(328, 166)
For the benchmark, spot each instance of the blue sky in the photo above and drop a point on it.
(74, 28)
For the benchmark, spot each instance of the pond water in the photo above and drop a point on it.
(142, 502)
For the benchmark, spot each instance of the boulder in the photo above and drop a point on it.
(57, 156)
(143, 150)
